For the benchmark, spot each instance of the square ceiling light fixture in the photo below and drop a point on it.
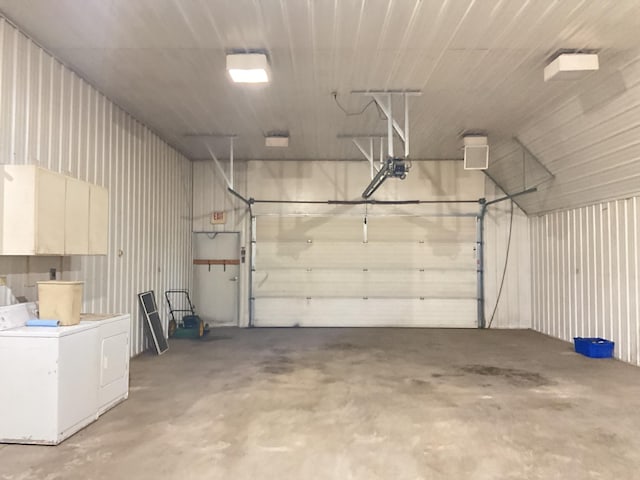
(476, 152)
(248, 67)
(571, 66)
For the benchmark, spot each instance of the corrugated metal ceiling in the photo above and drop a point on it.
(478, 62)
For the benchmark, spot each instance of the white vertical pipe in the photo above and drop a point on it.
(231, 162)
(371, 156)
(549, 235)
(636, 261)
(406, 126)
(390, 126)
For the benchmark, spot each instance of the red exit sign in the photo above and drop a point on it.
(218, 218)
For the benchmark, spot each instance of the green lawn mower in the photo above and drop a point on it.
(188, 324)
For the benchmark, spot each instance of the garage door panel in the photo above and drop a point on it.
(432, 283)
(429, 230)
(360, 255)
(379, 229)
(327, 312)
(302, 229)
(320, 271)
(421, 210)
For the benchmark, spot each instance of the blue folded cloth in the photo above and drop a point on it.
(41, 322)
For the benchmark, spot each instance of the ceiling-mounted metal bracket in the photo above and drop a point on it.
(384, 100)
(208, 136)
(392, 166)
(368, 152)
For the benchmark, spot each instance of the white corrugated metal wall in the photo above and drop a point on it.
(585, 254)
(210, 194)
(586, 265)
(345, 180)
(52, 118)
(513, 309)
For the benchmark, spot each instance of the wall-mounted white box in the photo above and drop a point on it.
(276, 141)
(476, 152)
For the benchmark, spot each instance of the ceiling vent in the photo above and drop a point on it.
(476, 152)
(571, 66)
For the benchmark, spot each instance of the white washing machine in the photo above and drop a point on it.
(57, 380)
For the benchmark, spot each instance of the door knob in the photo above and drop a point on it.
(233, 279)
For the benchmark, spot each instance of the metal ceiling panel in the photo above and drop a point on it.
(478, 62)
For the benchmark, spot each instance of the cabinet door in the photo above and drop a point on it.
(76, 218)
(17, 209)
(50, 218)
(98, 220)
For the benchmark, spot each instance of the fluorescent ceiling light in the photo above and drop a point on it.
(248, 67)
(280, 141)
(571, 66)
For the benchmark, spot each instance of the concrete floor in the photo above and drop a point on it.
(358, 404)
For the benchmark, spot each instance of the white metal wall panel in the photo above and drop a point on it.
(345, 180)
(322, 181)
(514, 308)
(210, 194)
(52, 118)
(586, 265)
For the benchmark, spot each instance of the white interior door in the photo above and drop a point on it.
(395, 271)
(215, 292)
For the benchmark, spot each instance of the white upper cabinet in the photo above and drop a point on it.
(46, 213)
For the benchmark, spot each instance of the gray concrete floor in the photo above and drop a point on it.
(358, 404)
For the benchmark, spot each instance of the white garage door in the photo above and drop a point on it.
(412, 271)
